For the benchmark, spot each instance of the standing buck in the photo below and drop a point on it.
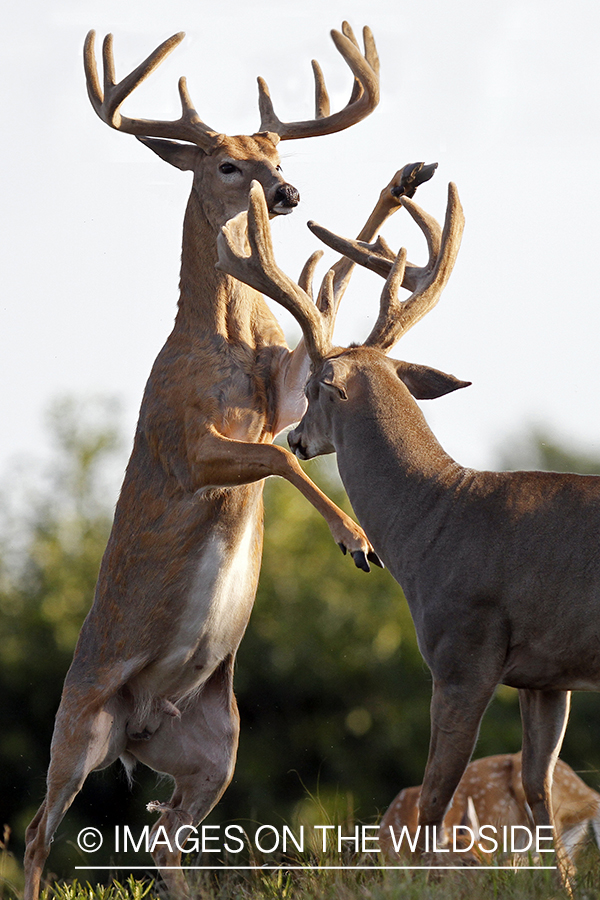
(151, 679)
(501, 570)
(491, 793)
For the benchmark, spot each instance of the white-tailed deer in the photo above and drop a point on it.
(501, 570)
(491, 793)
(151, 679)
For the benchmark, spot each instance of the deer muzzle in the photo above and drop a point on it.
(295, 443)
(285, 199)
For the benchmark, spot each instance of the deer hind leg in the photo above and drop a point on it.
(456, 712)
(198, 751)
(545, 715)
(87, 735)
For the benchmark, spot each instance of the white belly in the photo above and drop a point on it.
(213, 621)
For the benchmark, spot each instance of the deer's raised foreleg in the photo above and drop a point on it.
(223, 462)
(544, 715)
(198, 751)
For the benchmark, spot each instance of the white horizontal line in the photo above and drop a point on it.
(302, 868)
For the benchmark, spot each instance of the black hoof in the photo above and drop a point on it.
(360, 561)
(413, 175)
(372, 557)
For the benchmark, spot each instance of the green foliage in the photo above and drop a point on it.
(369, 884)
(45, 592)
(132, 890)
(47, 583)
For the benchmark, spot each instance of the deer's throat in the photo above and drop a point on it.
(210, 300)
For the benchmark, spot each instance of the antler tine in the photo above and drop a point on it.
(378, 256)
(108, 101)
(430, 228)
(390, 308)
(347, 30)
(363, 100)
(91, 72)
(260, 271)
(322, 105)
(307, 274)
(106, 104)
(396, 318)
(370, 55)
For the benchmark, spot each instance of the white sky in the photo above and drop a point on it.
(504, 96)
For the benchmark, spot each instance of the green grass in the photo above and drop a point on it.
(307, 884)
(376, 885)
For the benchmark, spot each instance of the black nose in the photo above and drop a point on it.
(295, 444)
(287, 195)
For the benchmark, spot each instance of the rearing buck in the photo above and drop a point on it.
(501, 570)
(151, 679)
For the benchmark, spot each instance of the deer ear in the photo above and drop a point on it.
(470, 818)
(425, 383)
(334, 378)
(334, 386)
(183, 156)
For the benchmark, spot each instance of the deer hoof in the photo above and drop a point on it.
(360, 560)
(372, 557)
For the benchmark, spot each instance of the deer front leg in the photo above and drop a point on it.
(544, 715)
(223, 462)
(456, 712)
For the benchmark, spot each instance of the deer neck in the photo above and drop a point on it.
(211, 301)
(397, 475)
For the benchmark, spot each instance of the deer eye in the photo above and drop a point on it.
(228, 168)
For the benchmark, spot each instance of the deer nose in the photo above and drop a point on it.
(286, 195)
(295, 444)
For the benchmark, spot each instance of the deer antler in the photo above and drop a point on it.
(251, 230)
(108, 100)
(403, 184)
(260, 271)
(378, 256)
(363, 100)
(395, 318)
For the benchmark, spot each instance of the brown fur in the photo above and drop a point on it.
(495, 788)
(500, 570)
(151, 678)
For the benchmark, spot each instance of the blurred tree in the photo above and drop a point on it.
(50, 550)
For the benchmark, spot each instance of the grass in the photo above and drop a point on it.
(467, 885)
(306, 884)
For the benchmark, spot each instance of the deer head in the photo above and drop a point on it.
(224, 166)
